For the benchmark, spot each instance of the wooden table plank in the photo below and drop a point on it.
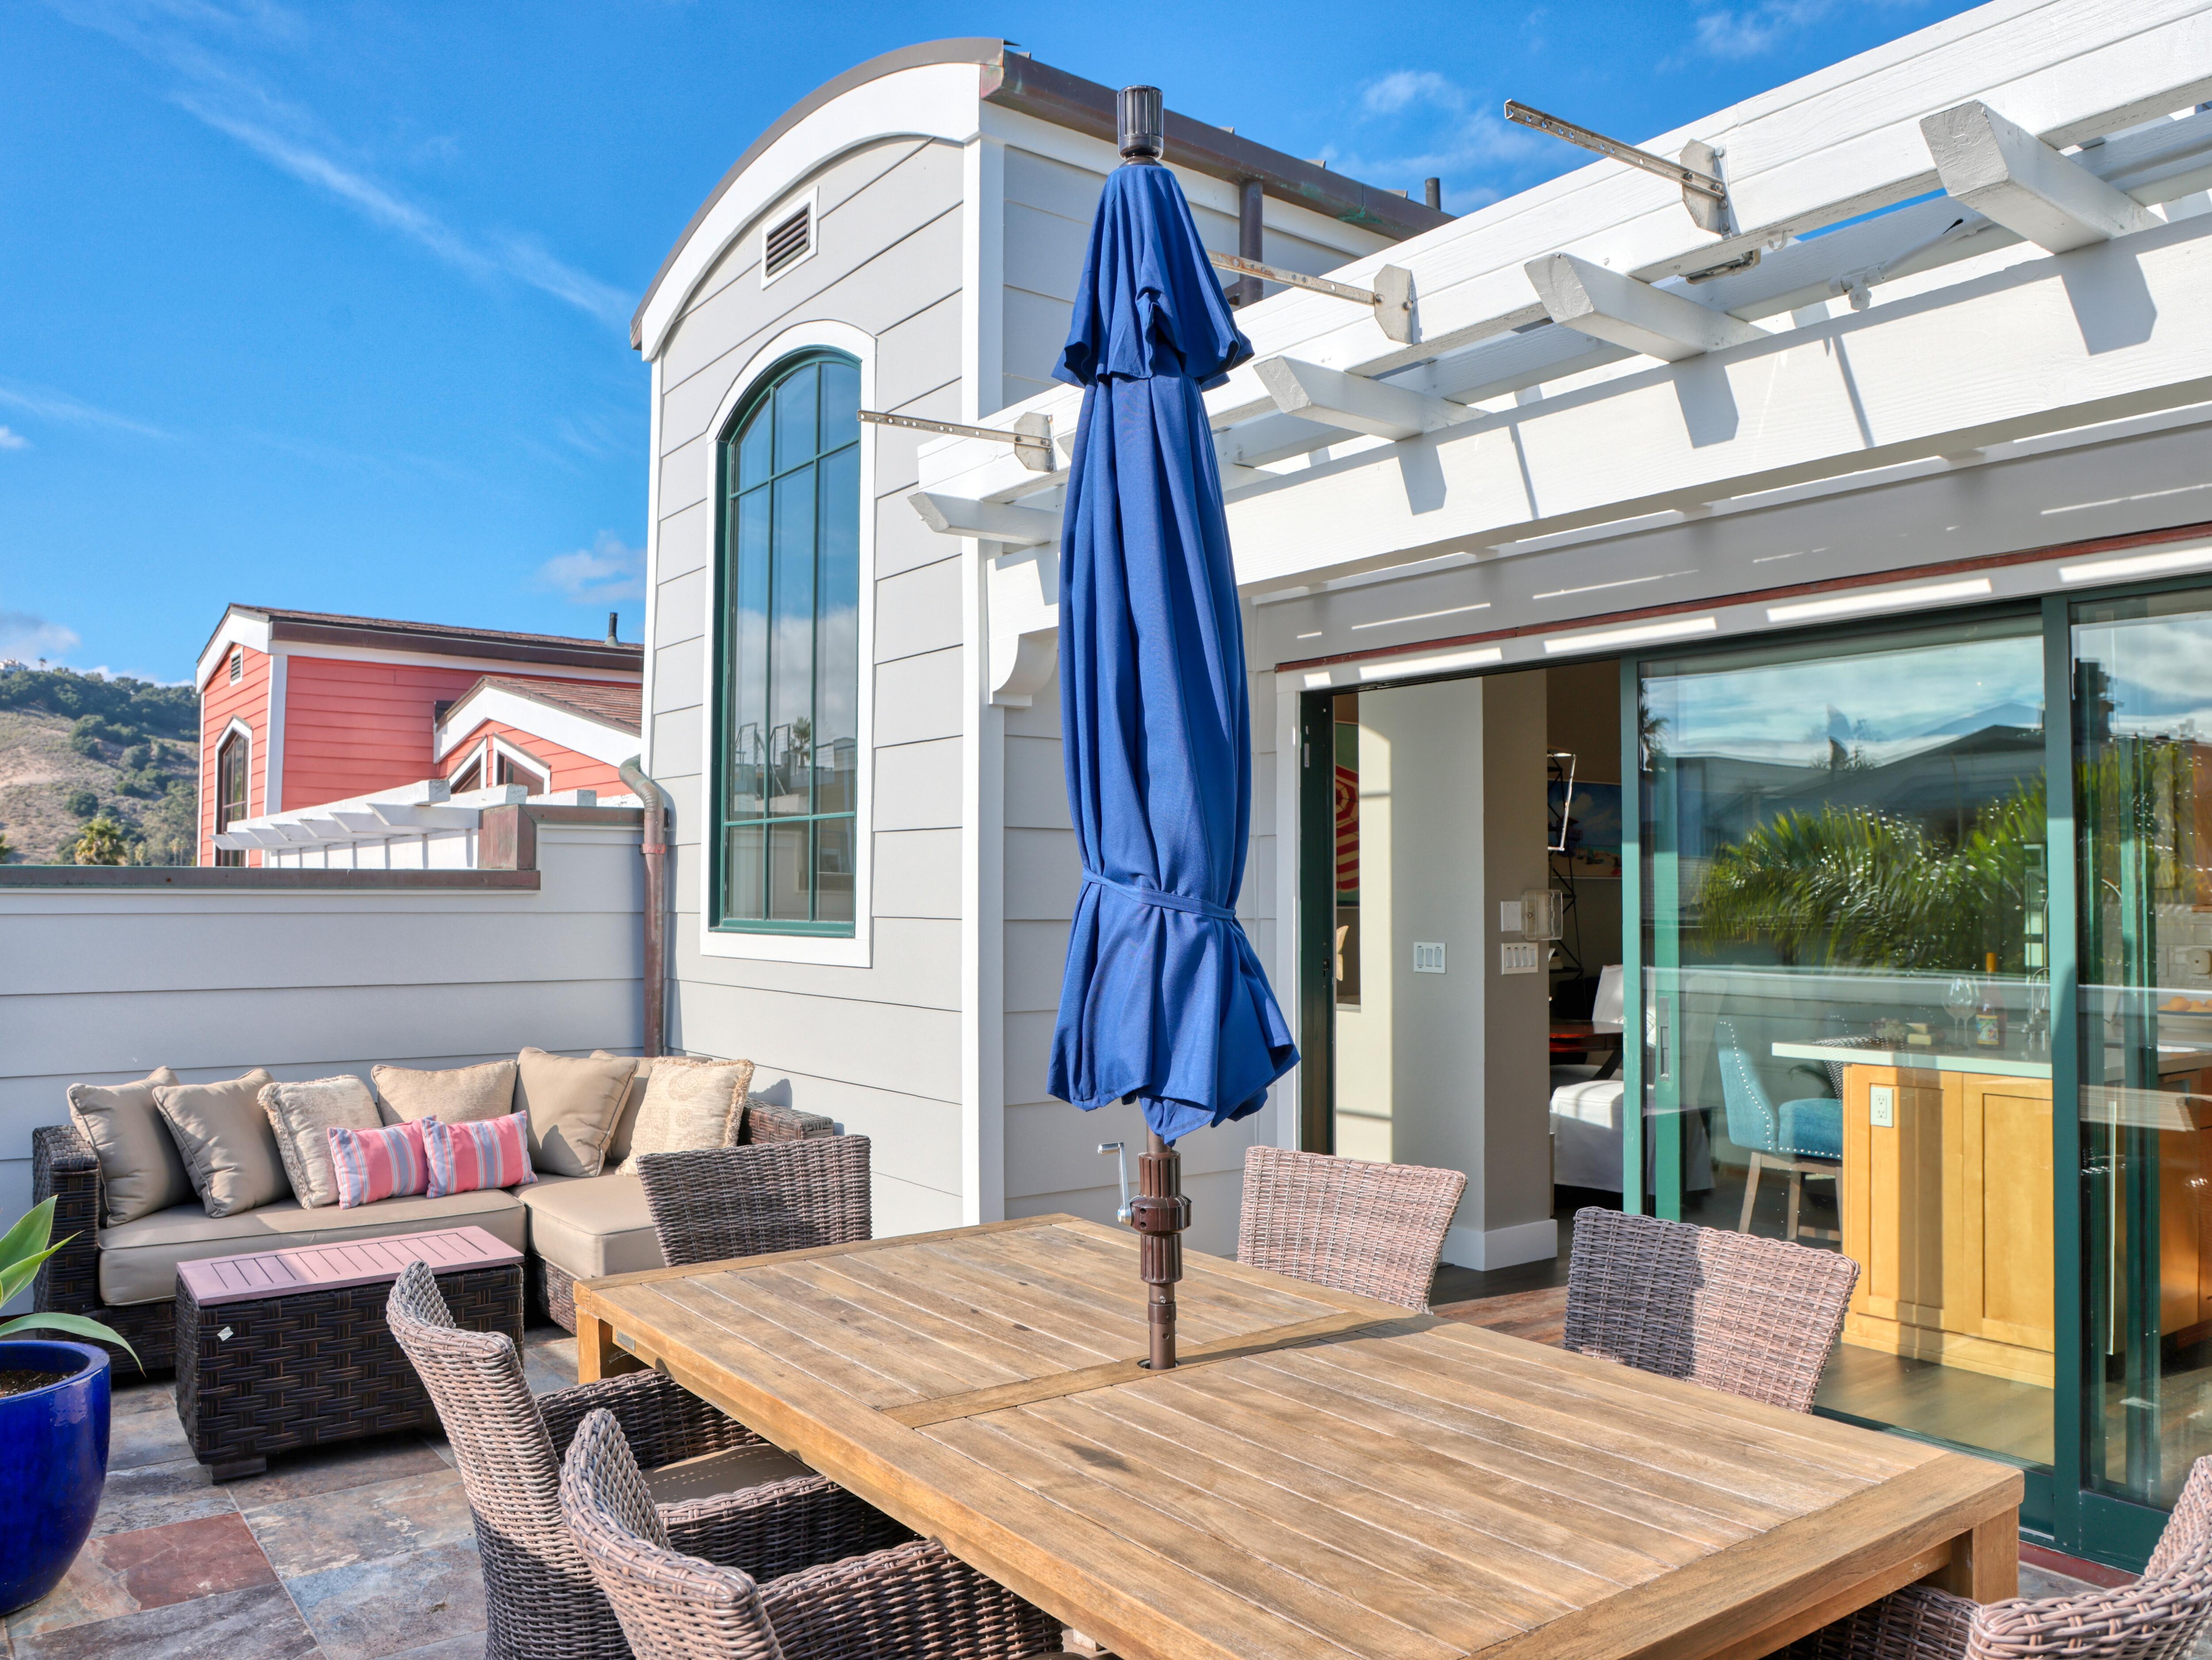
(1336, 1478)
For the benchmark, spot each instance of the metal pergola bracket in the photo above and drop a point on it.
(1032, 436)
(1703, 191)
(1392, 296)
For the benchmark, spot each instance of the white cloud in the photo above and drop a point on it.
(30, 637)
(1416, 124)
(1747, 31)
(610, 569)
(217, 92)
(13, 440)
(48, 404)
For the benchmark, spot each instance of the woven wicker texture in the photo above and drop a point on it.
(910, 1602)
(1373, 1229)
(65, 1168)
(316, 1366)
(1753, 1317)
(748, 1201)
(2159, 1617)
(542, 1600)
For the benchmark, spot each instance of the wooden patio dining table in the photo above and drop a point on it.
(1323, 1476)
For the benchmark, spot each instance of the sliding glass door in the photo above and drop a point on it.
(1846, 1010)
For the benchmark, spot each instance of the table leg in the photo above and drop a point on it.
(1984, 1563)
(597, 1354)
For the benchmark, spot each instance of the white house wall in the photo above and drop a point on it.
(104, 985)
(875, 1047)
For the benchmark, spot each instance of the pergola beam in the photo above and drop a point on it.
(1352, 402)
(2008, 173)
(993, 521)
(1606, 306)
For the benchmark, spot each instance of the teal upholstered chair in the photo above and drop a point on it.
(1801, 1138)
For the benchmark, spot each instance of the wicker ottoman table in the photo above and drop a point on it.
(283, 1349)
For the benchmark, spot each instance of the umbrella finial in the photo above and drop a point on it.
(1142, 124)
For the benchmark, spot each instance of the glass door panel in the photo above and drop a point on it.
(1847, 1037)
(2143, 729)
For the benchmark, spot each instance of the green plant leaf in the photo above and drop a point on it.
(76, 1324)
(28, 1235)
(17, 1274)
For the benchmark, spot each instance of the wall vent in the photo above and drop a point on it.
(787, 243)
(237, 664)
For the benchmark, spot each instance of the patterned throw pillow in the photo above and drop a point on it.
(690, 1105)
(492, 1153)
(367, 1166)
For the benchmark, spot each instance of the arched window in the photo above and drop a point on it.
(788, 702)
(230, 771)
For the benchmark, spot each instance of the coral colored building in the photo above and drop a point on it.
(300, 707)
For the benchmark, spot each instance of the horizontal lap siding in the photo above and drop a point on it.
(220, 703)
(104, 986)
(351, 727)
(876, 1048)
(566, 769)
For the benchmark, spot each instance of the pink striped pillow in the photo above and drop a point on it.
(378, 1164)
(490, 1152)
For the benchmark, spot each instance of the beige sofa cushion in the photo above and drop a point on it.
(572, 1102)
(141, 1171)
(138, 1261)
(625, 1115)
(691, 1105)
(228, 1144)
(302, 1114)
(591, 1225)
(456, 1095)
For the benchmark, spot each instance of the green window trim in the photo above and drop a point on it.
(784, 852)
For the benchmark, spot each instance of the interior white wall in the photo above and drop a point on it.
(1462, 827)
(1365, 1077)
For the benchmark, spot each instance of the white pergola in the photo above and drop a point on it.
(1583, 356)
(418, 826)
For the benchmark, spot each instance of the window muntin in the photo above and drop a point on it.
(789, 742)
(505, 770)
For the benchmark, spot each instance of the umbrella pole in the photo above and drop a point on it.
(1159, 1213)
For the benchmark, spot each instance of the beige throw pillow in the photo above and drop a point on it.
(691, 1105)
(572, 1103)
(227, 1141)
(302, 1114)
(457, 1095)
(141, 1171)
(625, 1115)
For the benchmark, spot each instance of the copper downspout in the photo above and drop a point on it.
(655, 846)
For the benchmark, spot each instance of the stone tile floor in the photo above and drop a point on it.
(361, 1552)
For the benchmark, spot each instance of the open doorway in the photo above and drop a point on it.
(1466, 850)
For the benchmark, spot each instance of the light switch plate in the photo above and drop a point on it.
(1510, 918)
(1515, 957)
(1882, 1106)
(1429, 957)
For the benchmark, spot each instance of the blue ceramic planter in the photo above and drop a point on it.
(53, 1463)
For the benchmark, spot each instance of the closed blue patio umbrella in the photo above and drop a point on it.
(1164, 999)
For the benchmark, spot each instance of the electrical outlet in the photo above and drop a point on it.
(1882, 1106)
(2194, 960)
(1428, 957)
(1518, 958)
(1509, 917)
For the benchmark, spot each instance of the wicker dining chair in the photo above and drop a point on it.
(749, 1201)
(2159, 1617)
(1733, 1311)
(1374, 1229)
(541, 1598)
(911, 1602)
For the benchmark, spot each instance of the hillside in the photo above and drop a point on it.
(74, 747)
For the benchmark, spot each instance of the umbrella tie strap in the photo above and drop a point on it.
(1161, 898)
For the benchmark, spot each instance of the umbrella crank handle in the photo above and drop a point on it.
(1120, 1150)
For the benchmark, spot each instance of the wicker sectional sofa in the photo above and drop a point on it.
(571, 1227)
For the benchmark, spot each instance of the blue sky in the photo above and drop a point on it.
(326, 305)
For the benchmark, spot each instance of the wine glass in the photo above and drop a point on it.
(1960, 998)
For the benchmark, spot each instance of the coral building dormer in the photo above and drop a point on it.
(300, 707)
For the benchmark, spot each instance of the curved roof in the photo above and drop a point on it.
(1010, 78)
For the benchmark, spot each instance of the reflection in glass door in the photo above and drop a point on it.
(2142, 717)
(1846, 998)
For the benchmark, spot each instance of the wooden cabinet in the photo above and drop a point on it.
(1947, 1210)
